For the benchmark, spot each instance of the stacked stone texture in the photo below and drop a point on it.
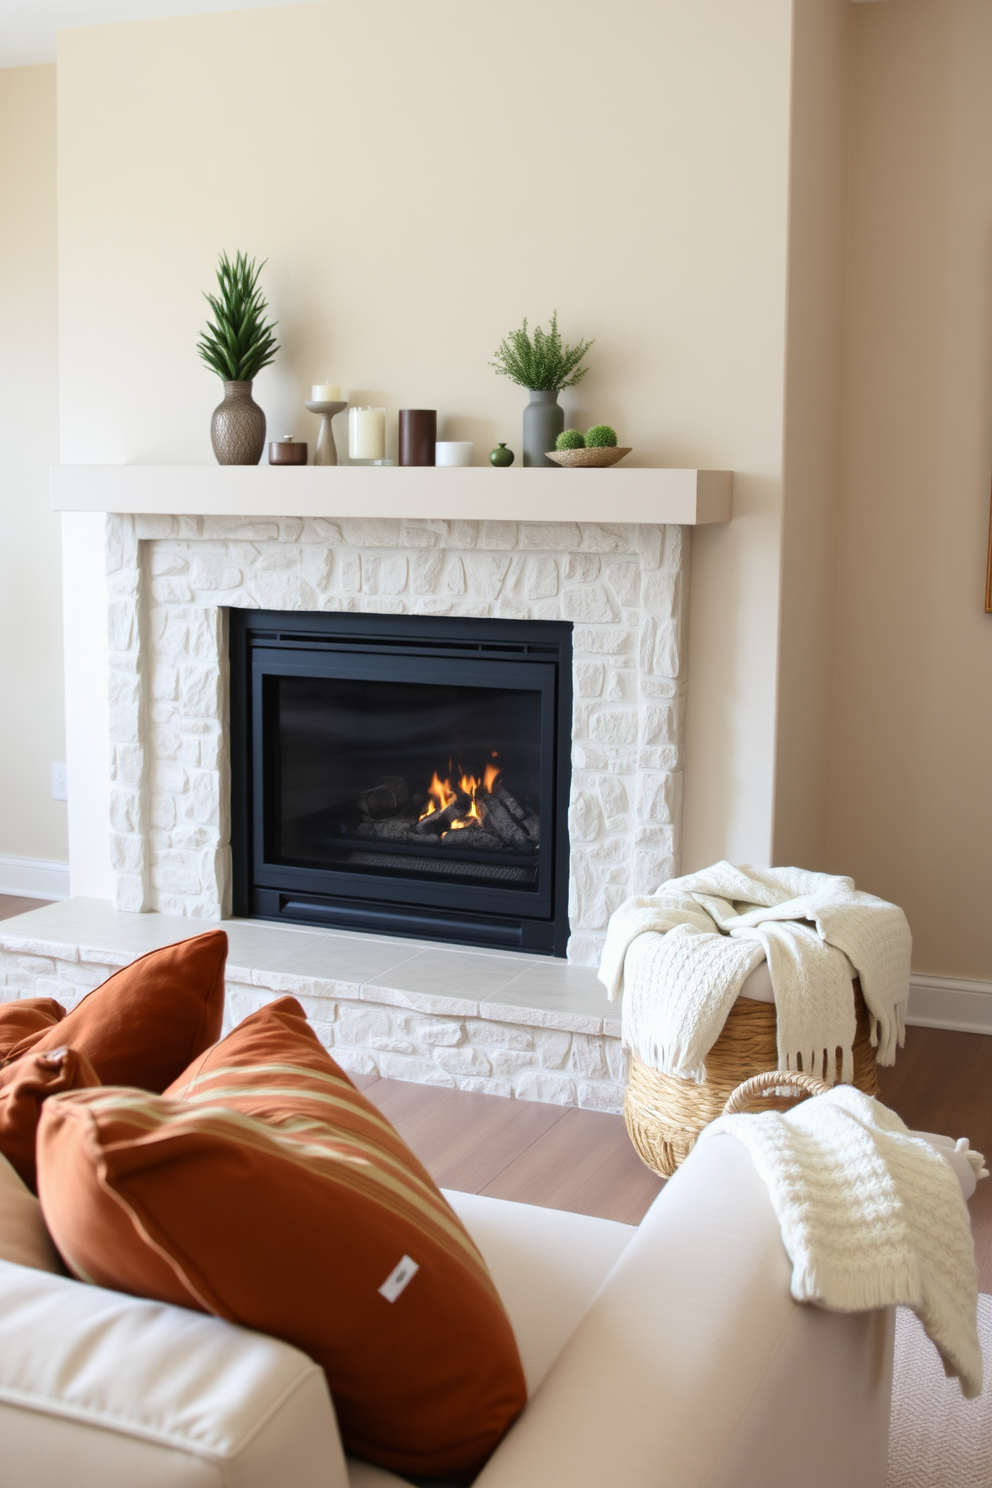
(562, 1058)
(172, 580)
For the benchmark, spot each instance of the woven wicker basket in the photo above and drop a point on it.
(665, 1114)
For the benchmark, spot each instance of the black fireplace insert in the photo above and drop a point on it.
(407, 775)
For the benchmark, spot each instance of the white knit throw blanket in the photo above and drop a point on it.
(681, 956)
(871, 1216)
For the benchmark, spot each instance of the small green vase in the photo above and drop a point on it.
(501, 457)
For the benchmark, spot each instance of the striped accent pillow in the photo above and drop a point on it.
(264, 1188)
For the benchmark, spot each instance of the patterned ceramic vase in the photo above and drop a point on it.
(237, 428)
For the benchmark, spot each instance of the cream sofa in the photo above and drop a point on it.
(666, 1354)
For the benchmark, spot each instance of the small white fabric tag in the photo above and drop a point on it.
(400, 1276)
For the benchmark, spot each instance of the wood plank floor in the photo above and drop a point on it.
(942, 1082)
(556, 1156)
(13, 904)
(582, 1160)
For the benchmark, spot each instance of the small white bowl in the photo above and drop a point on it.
(453, 452)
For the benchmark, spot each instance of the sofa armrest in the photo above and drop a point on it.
(97, 1387)
(694, 1367)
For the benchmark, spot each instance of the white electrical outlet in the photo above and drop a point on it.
(60, 783)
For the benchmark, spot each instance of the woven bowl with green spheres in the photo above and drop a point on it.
(570, 439)
(601, 436)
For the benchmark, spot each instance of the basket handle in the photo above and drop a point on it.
(803, 1085)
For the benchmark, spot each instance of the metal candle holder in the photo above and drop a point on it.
(326, 452)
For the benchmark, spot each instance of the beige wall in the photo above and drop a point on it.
(813, 404)
(910, 806)
(32, 825)
(419, 180)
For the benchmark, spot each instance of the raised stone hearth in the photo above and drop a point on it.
(502, 1023)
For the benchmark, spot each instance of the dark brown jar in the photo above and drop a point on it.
(418, 434)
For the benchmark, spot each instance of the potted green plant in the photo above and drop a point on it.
(543, 365)
(236, 345)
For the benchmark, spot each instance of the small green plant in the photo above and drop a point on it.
(540, 362)
(601, 436)
(237, 343)
(569, 439)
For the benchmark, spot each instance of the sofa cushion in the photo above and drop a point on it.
(30, 1081)
(100, 1390)
(273, 1194)
(144, 1024)
(24, 1238)
(24, 1019)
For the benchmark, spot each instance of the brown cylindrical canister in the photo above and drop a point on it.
(287, 451)
(418, 434)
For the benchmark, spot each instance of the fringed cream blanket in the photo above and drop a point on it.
(871, 1216)
(681, 956)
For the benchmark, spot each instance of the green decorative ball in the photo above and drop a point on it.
(601, 436)
(570, 439)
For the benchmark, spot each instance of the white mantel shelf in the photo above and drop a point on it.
(686, 497)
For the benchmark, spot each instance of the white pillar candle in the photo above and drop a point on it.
(325, 392)
(367, 433)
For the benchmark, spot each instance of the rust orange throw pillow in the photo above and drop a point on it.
(24, 1019)
(32, 1080)
(268, 1191)
(141, 1026)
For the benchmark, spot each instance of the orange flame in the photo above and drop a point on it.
(441, 794)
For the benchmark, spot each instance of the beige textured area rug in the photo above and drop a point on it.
(938, 1439)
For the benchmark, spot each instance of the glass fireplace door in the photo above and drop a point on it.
(422, 779)
(403, 774)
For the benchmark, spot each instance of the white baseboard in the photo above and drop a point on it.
(34, 878)
(945, 1002)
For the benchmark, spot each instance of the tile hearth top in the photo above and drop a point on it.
(424, 976)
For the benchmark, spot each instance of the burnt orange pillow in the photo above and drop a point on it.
(32, 1080)
(143, 1025)
(275, 1195)
(24, 1019)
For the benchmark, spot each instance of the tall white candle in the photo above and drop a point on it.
(325, 392)
(367, 433)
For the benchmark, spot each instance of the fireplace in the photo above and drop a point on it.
(403, 774)
(175, 582)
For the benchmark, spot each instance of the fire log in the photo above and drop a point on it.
(385, 798)
(483, 841)
(440, 821)
(396, 829)
(498, 820)
(475, 837)
(511, 803)
(532, 826)
(530, 822)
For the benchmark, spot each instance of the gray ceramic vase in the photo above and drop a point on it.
(543, 422)
(237, 428)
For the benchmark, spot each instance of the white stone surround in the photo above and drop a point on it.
(172, 580)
